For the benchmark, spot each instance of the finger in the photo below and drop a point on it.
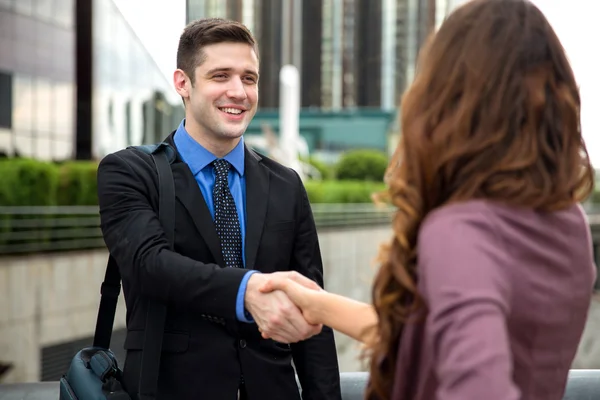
(274, 283)
(267, 287)
(290, 323)
(301, 328)
(303, 280)
(298, 294)
(278, 323)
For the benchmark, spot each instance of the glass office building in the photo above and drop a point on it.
(76, 82)
(37, 78)
(133, 102)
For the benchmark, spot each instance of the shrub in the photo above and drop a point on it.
(326, 171)
(77, 184)
(342, 191)
(362, 165)
(27, 182)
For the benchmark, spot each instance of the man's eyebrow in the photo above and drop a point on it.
(246, 71)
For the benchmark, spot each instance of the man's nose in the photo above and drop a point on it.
(237, 90)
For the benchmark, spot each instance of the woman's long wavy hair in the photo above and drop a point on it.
(493, 113)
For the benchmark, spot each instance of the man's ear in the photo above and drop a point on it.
(182, 83)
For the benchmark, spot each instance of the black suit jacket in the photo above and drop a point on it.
(205, 348)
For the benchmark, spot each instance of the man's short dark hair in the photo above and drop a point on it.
(203, 32)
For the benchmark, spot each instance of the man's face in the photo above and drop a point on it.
(224, 97)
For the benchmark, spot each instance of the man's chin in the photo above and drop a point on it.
(232, 134)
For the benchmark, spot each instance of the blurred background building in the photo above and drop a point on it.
(76, 82)
(350, 53)
(355, 58)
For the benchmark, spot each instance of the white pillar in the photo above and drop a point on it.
(289, 116)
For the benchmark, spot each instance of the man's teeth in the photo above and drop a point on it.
(231, 110)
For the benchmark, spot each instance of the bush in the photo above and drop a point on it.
(342, 191)
(362, 165)
(26, 182)
(326, 171)
(78, 184)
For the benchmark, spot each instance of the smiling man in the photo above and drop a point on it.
(239, 218)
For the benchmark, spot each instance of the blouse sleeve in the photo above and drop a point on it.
(467, 293)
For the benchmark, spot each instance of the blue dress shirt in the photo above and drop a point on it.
(199, 161)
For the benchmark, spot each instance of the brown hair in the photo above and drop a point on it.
(203, 32)
(493, 113)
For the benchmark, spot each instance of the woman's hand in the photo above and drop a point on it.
(302, 291)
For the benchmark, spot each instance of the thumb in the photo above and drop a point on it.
(270, 285)
(303, 280)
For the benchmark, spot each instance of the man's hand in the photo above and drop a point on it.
(277, 317)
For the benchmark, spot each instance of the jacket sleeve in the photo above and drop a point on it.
(315, 359)
(134, 237)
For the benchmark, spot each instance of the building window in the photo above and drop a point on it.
(22, 104)
(5, 100)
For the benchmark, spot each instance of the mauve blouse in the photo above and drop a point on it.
(508, 292)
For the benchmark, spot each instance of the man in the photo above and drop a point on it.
(239, 218)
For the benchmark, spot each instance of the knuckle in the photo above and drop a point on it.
(285, 308)
(274, 321)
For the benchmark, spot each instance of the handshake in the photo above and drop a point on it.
(284, 305)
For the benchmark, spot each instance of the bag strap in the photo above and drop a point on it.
(163, 155)
(157, 311)
(109, 294)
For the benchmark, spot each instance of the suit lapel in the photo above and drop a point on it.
(257, 198)
(189, 194)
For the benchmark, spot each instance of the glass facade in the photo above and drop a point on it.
(133, 102)
(37, 81)
(42, 105)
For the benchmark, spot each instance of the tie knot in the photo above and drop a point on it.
(221, 167)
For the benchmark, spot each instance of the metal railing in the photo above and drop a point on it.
(41, 229)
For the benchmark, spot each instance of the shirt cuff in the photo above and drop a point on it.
(240, 310)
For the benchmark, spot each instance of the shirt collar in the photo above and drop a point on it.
(197, 157)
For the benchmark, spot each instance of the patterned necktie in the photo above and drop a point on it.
(226, 217)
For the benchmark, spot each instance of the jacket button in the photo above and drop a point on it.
(242, 343)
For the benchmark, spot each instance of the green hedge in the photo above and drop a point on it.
(342, 191)
(77, 184)
(26, 182)
(363, 165)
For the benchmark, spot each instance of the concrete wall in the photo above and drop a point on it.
(52, 299)
(46, 300)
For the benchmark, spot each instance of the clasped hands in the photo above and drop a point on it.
(281, 304)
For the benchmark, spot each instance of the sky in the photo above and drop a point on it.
(576, 22)
(159, 23)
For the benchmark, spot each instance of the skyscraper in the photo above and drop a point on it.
(350, 53)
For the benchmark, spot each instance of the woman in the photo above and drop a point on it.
(484, 289)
